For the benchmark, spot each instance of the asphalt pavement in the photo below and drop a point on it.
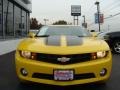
(9, 80)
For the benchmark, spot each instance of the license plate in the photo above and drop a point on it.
(63, 75)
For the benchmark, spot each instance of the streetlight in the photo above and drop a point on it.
(84, 18)
(46, 21)
(108, 27)
(84, 24)
(98, 12)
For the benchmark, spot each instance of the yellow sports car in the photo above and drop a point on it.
(63, 55)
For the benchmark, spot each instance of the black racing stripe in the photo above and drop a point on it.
(74, 40)
(53, 40)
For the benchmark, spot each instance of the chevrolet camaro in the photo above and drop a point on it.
(63, 55)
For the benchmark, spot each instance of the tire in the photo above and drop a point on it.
(116, 47)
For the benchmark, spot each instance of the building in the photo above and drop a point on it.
(14, 18)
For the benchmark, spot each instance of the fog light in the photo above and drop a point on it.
(103, 72)
(24, 72)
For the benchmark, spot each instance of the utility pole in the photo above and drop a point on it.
(84, 18)
(108, 27)
(98, 12)
(46, 21)
(84, 24)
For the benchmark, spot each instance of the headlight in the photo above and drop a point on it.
(25, 54)
(101, 54)
(97, 55)
(28, 55)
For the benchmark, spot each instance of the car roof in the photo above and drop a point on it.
(111, 31)
(106, 32)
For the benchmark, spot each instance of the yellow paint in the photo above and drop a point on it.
(38, 45)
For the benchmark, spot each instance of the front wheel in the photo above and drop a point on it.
(116, 46)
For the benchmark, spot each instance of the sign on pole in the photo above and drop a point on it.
(75, 10)
(101, 18)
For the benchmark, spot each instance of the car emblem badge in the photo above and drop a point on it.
(63, 59)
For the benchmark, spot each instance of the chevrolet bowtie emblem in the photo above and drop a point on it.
(63, 59)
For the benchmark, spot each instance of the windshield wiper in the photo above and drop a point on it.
(43, 36)
(83, 36)
(80, 36)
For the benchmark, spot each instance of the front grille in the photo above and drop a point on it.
(52, 58)
(76, 76)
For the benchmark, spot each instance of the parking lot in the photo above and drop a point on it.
(9, 81)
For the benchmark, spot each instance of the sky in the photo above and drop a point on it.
(55, 10)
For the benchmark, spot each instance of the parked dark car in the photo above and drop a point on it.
(113, 39)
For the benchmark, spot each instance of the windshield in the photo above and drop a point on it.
(63, 30)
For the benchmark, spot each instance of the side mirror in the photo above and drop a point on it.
(31, 35)
(106, 37)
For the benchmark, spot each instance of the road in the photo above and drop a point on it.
(9, 81)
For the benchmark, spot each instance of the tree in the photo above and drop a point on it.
(60, 22)
(34, 24)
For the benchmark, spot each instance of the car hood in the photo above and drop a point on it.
(63, 45)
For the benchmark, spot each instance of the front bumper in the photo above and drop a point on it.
(85, 68)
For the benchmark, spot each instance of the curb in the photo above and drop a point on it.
(8, 46)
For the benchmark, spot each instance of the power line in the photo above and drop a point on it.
(113, 4)
(87, 13)
(111, 16)
(111, 7)
(89, 9)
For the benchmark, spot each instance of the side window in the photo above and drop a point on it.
(0, 18)
(0, 12)
(1, 32)
(107, 36)
(42, 31)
